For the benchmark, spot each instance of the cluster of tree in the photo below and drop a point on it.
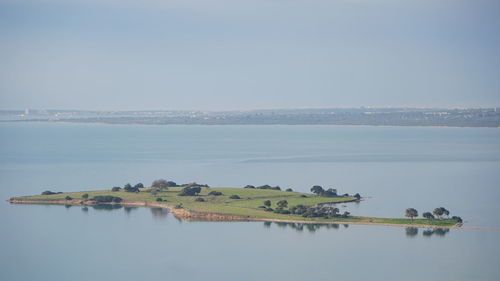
(266, 186)
(331, 192)
(215, 193)
(326, 212)
(163, 184)
(190, 191)
(436, 213)
(302, 210)
(106, 199)
(318, 190)
(48, 192)
(129, 188)
(193, 184)
(280, 209)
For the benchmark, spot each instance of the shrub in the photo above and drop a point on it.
(199, 199)
(282, 204)
(48, 192)
(249, 186)
(117, 199)
(457, 219)
(68, 198)
(262, 207)
(116, 188)
(267, 203)
(303, 196)
(178, 206)
(159, 199)
(85, 196)
(130, 188)
(289, 190)
(234, 197)
(190, 191)
(298, 210)
(215, 193)
(357, 196)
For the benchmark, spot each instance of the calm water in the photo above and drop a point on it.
(396, 168)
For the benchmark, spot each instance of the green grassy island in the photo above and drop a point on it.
(200, 202)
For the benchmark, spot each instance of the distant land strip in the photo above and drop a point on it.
(474, 117)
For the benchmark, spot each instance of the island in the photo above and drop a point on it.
(263, 203)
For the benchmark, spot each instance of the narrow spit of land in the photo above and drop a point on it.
(232, 204)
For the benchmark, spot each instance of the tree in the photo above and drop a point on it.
(428, 215)
(139, 185)
(289, 190)
(282, 204)
(411, 213)
(439, 212)
(85, 196)
(317, 189)
(190, 191)
(48, 192)
(267, 203)
(161, 183)
(249, 186)
(116, 188)
(357, 196)
(130, 188)
(331, 192)
(215, 193)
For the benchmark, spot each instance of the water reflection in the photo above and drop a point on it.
(436, 232)
(107, 207)
(413, 232)
(128, 210)
(159, 213)
(311, 227)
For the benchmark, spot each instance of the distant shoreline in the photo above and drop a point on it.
(245, 124)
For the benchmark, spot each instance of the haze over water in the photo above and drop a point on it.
(393, 167)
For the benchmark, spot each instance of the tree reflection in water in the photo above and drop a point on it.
(159, 213)
(311, 227)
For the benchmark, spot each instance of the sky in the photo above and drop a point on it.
(240, 55)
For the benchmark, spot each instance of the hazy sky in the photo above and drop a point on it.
(232, 54)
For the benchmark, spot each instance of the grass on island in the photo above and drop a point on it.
(248, 204)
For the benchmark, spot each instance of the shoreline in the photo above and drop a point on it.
(266, 124)
(190, 215)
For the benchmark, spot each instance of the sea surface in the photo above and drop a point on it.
(393, 168)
